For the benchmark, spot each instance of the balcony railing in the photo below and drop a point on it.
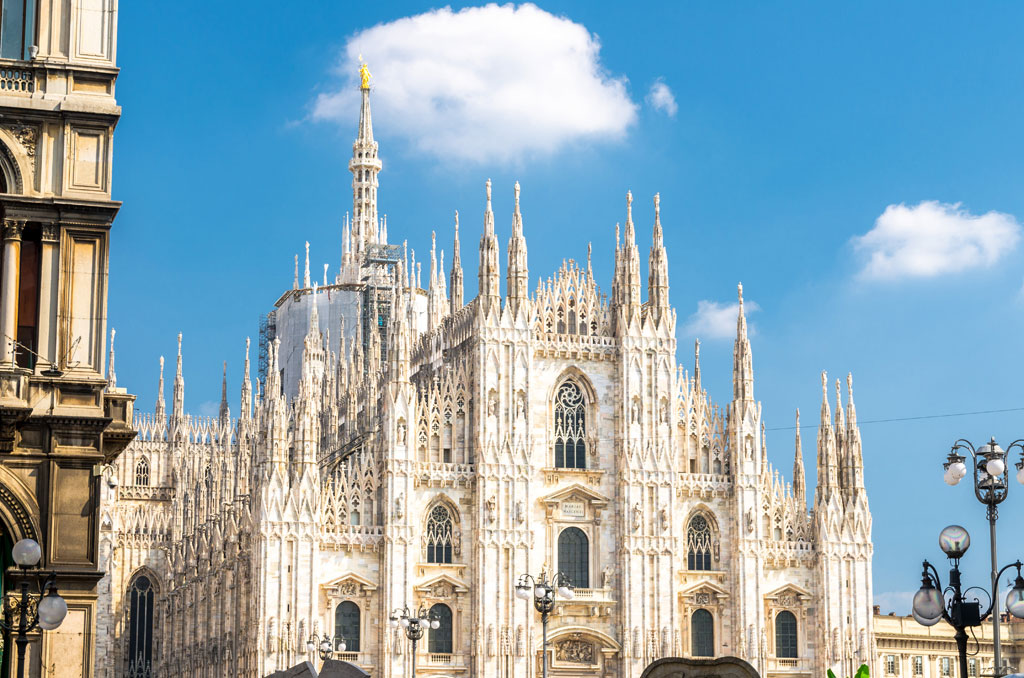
(439, 658)
(788, 665)
(351, 657)
(17, 80)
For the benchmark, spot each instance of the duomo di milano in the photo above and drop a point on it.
(406, 447)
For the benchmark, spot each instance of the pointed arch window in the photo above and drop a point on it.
(785, 635)
(570, 427)
(698, 544)
(142, 473)
(702, 634)
(574, 556)
(440, 641)
(440, 528)
(346, 625)
(140, 628)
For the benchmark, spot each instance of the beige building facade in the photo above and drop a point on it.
(400, 445)
(907, 649)
(61, 423)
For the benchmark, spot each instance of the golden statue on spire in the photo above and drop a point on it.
(364, 75)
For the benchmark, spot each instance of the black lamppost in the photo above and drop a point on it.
(414, 624)
(931, 606)
(326, 646)
(45, 609)
(991, 485)
(543, 593)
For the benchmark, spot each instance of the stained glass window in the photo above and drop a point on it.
(570, 427)
(140, 628)
(440, 640)
(574, 556)
(439, 535)
(785, 635)
(346, 625)
(698, 544)
(702, 634)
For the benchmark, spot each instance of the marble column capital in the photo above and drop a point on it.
(50, 232)
(13, 228)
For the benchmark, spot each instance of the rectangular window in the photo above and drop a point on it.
(28, 298)
(17, 28)
(890, 665)
(945, 666)
(972, 668)
(918, 666)
(447, 455)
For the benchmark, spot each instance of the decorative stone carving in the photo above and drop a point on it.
(491, 505)
(520, 514)
(637, 516)
(400, 506)
(574, 651)
(348, 589)
(442, 589)
(27, 136)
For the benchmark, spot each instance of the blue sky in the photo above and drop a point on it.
(796, 130)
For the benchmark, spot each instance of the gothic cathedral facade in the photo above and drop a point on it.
(401, 447)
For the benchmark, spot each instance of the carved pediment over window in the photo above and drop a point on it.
(569, 500)
(348, 585)
(789, 596)
(575, 650)
(442, 588)
(704, 593)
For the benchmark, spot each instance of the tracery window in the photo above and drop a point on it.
(440, 640)
(698, 544)
(702, 634)
(574, 556)
(346, 625)
(785, 635)
(439, 535)
(140, 628)
(142, 473)
(570, 427)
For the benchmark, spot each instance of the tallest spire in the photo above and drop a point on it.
(743, 364)
(364, 165)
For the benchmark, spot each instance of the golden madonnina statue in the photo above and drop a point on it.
(364, 75)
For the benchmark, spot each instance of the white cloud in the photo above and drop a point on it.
(714, 320)
(933, 238)
(662, 99)
(899, 602)
(492, 83)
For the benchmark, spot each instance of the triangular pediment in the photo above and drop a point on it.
(347, 581)
(576, 491)
(442, 586)
(705, 586)
(789, 590)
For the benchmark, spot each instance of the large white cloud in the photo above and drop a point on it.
(493, 83)
(933, 238)
(716, 320)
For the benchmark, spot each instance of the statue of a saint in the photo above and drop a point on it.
(364, 76)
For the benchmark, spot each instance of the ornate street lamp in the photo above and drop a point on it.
(961, 610)
(326, 646)
(414, 624)
(991, 485)
(543, 593)
(45, 609)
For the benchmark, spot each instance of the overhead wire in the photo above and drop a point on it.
(861, 422)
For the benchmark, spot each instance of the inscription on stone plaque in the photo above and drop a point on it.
(573, 509)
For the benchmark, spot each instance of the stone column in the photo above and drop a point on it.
(12, 231)
(49, 276)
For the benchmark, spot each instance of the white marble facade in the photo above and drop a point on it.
(428, 456)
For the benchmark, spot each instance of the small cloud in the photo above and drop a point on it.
(933, 238)
(661, 98)
(714, 320)
(898, 602)
(210, 409)
(483, 84)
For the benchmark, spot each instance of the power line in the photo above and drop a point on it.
(925, 416)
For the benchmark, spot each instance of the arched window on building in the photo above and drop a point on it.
(142, 473)
(346, 625)
(439, 535)
(440, 641)
(785, 635)
(698, 544)
(702, 634)
(140, 628)
(574, 556)
(570, 427)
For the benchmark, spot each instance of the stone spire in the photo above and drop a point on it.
(853, 462)
(696, 366)
(295, 283)
(364, 165)
(657, 281)
(246, 408)
(455, 278)
(178, 402)
(799, 479)
(518, 275)
(111, 374)
(742, 359)
(631, 263)
(434, 310)
(305, 275)
(490, 294)
(827, 462)
(225, 411)
(161, 409)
